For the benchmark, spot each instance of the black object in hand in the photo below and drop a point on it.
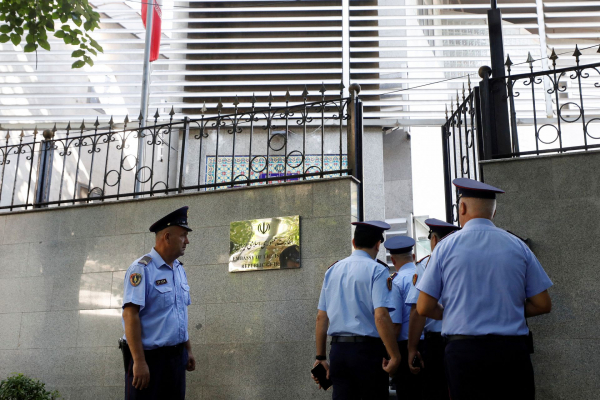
(416, 362)
(320, 373)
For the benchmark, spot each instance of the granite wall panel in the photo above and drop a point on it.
(554, 201)
(60, 310)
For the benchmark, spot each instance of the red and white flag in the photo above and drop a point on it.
(156, 26)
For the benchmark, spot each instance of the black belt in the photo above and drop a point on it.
(355, 339)
(161, 351)
(451, 338)
(433, 335)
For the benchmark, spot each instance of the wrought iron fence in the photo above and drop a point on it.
(461, 145)
(311, 140)
(559, 108)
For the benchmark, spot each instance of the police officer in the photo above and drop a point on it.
(408, 386)
(354, 310)
(155, 315)
(489, 282)
(435, 384)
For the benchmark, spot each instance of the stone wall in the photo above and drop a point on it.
(62, 274)
(555, 202)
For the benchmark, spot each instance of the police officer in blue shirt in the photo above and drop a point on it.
(354, 310)
(408, 386)
(435, 383)
(489, 282)
(156, 344)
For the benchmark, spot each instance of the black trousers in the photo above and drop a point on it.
(434, 374)
(167, 375)
(492, 368)
(408, 385)
(356, 373)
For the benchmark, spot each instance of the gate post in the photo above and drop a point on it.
(497, 87)
(447, 175)
(354, 139)
(42, 194)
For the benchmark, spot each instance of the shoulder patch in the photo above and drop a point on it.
(382, 263)
(423, 259)
(135, 279)
(390, 280)
(145, 260)
(415, 277)
(333, 264)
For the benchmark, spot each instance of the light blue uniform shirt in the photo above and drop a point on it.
(400, 288)
(163, 296)
(482, 275)
(431, 325)
(352, 289)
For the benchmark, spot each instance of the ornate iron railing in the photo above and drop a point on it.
(311, 140)
(460, 145)
(562, 107)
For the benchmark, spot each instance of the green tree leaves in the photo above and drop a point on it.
(35, 18)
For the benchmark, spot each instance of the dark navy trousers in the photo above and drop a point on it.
(356, 373)
(408, 385)
(490, 368)
(167, 376)
(436, 385)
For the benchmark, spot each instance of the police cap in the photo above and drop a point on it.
(399, 244)
(439, 227)
(176, 218)
(472, 188)
(371, 228)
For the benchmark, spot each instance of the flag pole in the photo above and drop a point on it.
(145, 93)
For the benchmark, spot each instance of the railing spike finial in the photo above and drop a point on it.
(553, 57)
(204, 109)
(508, 63)
(219, 106)
(271, 98)
(156, 114)
(111, 123)
(97, 123)
(140, 117)
(342, 87)
(68, 127)
(446, 111)
(451, 107)
(530, 60)
(126, 120)
(457, 100)
(172, 112)
(305, 93)
(22, 135)
(323, 89)
(253, 100)
(577, 54)
(463, 97)
(236, 102)
(35, 132)
(469, 81)
(54, 129)
(82, 126)
(287, 95)
(7, 136)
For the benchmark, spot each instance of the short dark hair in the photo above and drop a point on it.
(366, 237)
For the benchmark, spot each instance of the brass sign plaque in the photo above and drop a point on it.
(261, 244)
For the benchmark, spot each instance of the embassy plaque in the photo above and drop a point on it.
(262, 244)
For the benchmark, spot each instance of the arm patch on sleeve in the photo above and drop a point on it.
(390, 280)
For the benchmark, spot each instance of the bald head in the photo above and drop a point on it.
(472, 207)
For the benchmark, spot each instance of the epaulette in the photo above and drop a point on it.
(526, 241)
(145, 260)
(418, 262)
(451, 232)
(382, 263)
(333, 264)
(390, 280)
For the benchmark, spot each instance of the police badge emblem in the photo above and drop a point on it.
(415, 277)
(135, 279)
